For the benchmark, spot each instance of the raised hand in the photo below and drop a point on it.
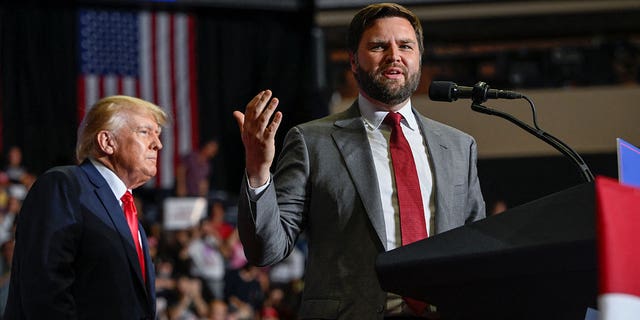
(258, 132)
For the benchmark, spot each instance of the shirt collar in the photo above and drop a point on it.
(115, 183)
(373, 117)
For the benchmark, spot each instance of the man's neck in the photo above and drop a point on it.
(384, 106)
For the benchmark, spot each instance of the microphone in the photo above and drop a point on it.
(480, 92)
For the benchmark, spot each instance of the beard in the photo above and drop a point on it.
(387, 91)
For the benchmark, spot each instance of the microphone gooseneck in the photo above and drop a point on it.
(448, 91)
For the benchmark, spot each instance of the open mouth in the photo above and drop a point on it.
(393, 73)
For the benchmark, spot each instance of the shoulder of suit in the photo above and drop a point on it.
(442, 128)
(61, 176)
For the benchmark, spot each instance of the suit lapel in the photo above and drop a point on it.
(150, 269)
(113, 213)
(440, 162)
(351, 140)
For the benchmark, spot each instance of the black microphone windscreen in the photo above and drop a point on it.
(442, 91)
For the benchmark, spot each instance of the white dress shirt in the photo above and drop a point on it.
(379, 134)
(116, 185)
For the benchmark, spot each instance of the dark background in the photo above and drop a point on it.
(247, 46)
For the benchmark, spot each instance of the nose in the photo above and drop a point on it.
(393, 53)
(156, 144)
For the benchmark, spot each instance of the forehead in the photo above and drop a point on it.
(389, 28)
(142, 118)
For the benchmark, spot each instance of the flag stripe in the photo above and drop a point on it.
(182, 83)
(193, 97)
(617, 306)
(163, 65)
(146, 62)
(172, 80)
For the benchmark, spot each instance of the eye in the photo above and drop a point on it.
(406, 46)
(143, 132)
(377, 46)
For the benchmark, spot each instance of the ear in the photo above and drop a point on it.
(353, 60)
(106, 142)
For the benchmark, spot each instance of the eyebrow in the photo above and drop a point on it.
(159, 128)
(381, 41)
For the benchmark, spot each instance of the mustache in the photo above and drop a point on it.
(396, 65)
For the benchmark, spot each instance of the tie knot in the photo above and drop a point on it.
(393, 119)
(127, 198)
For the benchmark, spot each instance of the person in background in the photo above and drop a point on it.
(6, 251)
(80, 252)
(194, 171)
(188, 302)
(14, 168)
(207, 261)
(244, 291)
(336, 178)
(218, 310)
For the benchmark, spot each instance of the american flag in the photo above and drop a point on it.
(618, 221)
(149, 55)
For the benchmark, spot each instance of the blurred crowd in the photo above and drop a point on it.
(202, 273)
(201, 270)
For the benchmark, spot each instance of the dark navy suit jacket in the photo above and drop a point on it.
(74, 256)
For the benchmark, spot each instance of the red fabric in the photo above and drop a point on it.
(131, 214)
(413, 226)
(618, 217)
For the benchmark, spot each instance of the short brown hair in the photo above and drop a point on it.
(366, 16)
(110, 113)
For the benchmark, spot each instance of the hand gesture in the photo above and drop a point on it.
(258, 133)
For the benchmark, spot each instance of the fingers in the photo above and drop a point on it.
(239, 119)
(272, 128)
(263, 119)
(256, 106)
(258, 113)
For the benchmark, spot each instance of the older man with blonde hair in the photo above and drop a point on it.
(80, 251)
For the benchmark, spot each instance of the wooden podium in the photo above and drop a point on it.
(535, 261)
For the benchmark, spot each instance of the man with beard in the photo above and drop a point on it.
(337, 177)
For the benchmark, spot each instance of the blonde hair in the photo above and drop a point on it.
(110, 113)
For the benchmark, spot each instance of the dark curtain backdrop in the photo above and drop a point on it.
(37, 60)
(239, 53)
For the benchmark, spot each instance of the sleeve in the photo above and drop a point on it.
(255, 193)
(47, 234)
(475, 200)
(269, 226)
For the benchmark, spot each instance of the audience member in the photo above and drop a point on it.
(218, 310)
(244, 290)
(207, 263)
(5, 276)
(8, 218)
(14, 168)
(194, 171)
(187, 302)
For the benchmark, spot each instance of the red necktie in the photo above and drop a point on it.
(131, 214)
(412, 223)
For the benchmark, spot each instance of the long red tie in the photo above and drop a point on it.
(412, 223)
(131, 214)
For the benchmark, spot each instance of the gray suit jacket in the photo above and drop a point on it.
(325, 184)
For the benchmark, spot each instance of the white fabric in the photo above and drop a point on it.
(619, 306)
(378, 135)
